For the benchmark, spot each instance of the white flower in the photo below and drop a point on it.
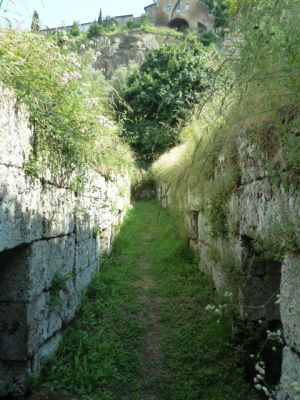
(65, 78)
(92, 101)
(104, 121)
(74, 60)
(77, 75)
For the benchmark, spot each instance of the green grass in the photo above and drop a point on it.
(102, 352)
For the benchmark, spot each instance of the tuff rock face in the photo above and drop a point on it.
(121, 50)
(255, 208)
(51, 240)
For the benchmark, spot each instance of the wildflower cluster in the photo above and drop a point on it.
(220, 309)
(275, 338)
(278, 299)
(95, 58)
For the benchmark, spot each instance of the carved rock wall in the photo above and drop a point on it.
(50, 243)
(126, 48)
(255, 208)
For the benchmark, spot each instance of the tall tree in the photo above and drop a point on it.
(100, 17)
(35, 24)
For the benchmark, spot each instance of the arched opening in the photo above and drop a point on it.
(179, 24)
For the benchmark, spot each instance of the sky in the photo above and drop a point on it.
(55, 13)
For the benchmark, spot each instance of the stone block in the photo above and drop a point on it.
(86, 253)
(13, 331)
(15, 133)
(57, 208)
(95, 187)
(259, 204)
(69, 302)
(85, 276)
(204, 230)
(41, 323)
(290, 373)
(13, 378)
(251, 161)
(85, 218)
(26, 271)
(290, 295)
(21, 220)
(47, 314)
(262, 205)
(205, 263)
(219, 277)
(46, 351)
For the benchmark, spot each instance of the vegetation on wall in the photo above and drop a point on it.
(257, 105)
(69, 106)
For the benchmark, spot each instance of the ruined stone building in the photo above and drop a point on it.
(181, 15)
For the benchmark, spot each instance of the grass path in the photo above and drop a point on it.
(143, 332)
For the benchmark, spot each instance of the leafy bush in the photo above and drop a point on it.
(69, 111)
(162, 96)
(95, 30)
(110, 24)
(75, 31)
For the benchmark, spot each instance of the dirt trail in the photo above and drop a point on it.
(152, 350)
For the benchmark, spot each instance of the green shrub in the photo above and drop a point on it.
(95, 30)
(162, 96)
(75, 31)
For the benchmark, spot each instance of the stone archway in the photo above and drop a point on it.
(179, 24)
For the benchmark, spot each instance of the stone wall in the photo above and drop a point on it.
(126, 48)
(50, 242)
(255, 209)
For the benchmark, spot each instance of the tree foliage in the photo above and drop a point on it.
(100, 19)
(94, 30)
(75, 30)
(35, 23)
(162, 95)
(220, 9)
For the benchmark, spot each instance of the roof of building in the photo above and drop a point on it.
(123, 16)
(150, 5)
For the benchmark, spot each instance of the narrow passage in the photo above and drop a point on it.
(143, 332)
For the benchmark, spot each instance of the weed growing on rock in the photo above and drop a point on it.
(69, 109)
